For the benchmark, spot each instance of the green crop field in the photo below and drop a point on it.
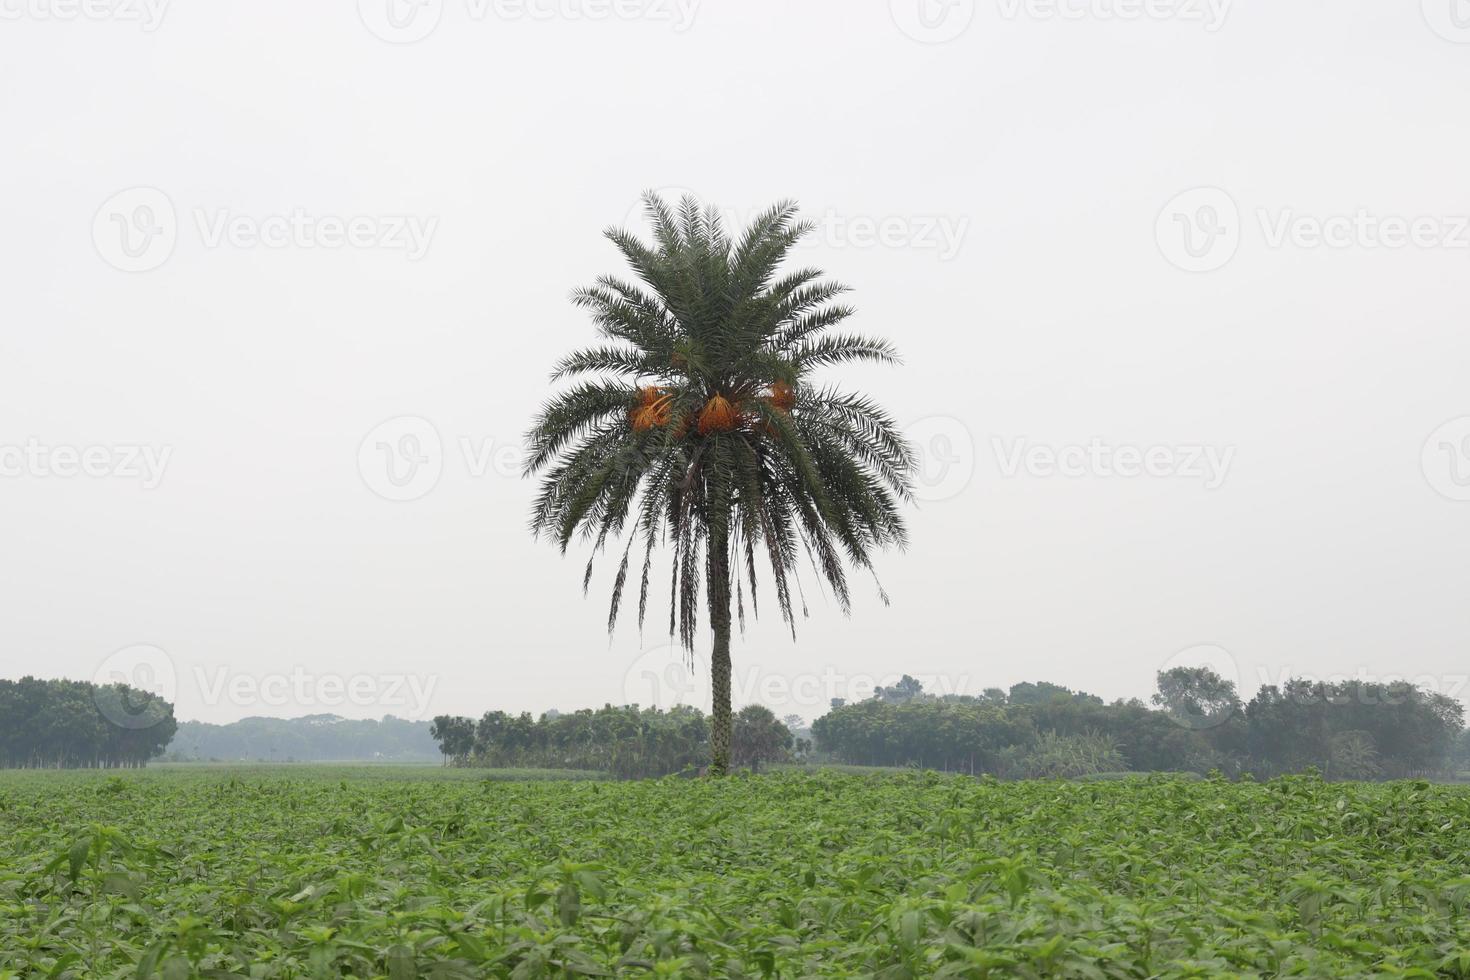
(346, 872)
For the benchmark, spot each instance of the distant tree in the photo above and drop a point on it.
(439, 731)
(1042, 692)
(1354, 756)
(311, 738)
(62, 724)
(759, 737)
(907, 689)
(626, 741)
(456, 737)
(1350, 730)
(1196, 697)
(957, 735)
(1308, 723)
(1055, 756)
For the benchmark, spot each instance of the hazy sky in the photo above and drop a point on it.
(1181, 287)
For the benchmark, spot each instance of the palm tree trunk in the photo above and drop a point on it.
(719, 610)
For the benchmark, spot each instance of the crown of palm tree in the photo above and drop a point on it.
(700, 425)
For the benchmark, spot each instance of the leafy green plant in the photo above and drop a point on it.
(392, 872)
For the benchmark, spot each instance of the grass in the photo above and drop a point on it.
(373, 871)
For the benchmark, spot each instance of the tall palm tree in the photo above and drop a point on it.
(699, 425)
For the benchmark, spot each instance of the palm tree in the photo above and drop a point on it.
(698, 425)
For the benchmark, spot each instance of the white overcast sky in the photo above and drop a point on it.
(999, 183)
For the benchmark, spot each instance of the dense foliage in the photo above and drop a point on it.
(1349, 730)
(313, 738)
(700, 424)
(627, 742)
(182, 874)
(60, 724)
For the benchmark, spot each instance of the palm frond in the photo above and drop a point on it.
(710, 327)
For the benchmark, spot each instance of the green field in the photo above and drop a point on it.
(354, 771)
(405, 872)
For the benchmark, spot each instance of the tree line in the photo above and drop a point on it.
(61, 724)
(628, 742)
(312, 738)
(1196, 722)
